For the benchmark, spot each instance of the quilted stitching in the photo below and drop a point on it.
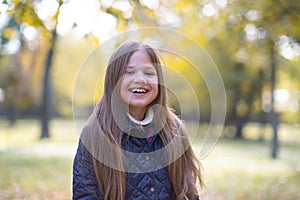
(84, 181)
(139, 185)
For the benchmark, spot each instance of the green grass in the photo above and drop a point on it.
(243, 170)
(29, 177)
(34, 169)
(234, 170)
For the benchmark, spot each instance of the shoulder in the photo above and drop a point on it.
(84, 180)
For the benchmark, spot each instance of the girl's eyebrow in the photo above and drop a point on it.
(147, 66)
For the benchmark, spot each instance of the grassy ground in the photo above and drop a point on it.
(234, 170)
(34, 169)
(242, 170)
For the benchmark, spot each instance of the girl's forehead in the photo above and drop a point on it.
(138, 58)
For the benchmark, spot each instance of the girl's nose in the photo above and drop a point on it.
(140, 78)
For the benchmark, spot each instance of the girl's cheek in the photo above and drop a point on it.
(154, 80)
(154, 84)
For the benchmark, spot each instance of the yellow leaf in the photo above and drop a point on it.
(9, 33)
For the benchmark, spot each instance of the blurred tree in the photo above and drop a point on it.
(13, 46)
(46, 103)
(250, 33)
(71, 51)
(10, 82)
(246, 40)
(242, 36)
(26, 13)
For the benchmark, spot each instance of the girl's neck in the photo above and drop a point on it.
(138, 114)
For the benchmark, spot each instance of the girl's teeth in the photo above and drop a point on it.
(139, 90)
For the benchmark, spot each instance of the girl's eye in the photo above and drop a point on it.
(150, 73)
(128, 72)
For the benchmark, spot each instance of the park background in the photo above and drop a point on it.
(255, 44)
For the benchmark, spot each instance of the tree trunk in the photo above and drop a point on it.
(12, 113)
(240, 122)
(274, 119)
(234, 114)
(46, 104)
(275, 140)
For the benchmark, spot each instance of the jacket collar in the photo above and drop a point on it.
(134, 130)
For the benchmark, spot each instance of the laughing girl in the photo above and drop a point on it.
(134, 146)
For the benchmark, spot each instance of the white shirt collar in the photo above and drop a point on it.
(147, 120)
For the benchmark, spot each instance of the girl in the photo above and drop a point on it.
(134, 146)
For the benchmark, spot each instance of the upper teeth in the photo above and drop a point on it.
(139, 90)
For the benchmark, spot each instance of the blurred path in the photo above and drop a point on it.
(45, 149)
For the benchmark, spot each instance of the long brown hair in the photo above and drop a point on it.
(184, 172)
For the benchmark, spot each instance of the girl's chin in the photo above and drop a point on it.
(138, 105)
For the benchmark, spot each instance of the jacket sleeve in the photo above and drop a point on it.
(84, 180)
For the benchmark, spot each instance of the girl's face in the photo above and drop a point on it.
(139, 84)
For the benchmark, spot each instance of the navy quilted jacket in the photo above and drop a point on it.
(153, 183)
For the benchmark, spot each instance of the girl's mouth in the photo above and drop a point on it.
(139, 90)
